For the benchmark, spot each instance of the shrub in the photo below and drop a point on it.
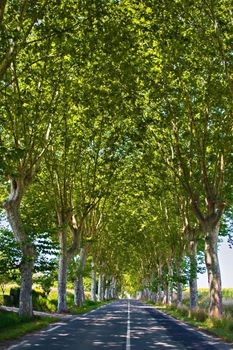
(39, 303)
(199, 315)
(14, 294)
(225, 323)
(228, 310)
(183, 311)
(90, 302)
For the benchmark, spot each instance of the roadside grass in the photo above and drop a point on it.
(12, 326)
(222, 328)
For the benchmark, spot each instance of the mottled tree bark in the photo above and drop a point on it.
(213, 270)
(211, 225)
(193, 276)
(93, 282)
(170, 271)
(12, 207)
(62, 273)
(114, 288)
(160, 296)
(179, 297)
(100, 287)
(79, 296)
(26, 269)
(166, 298)
(66, 221)
(107, 290)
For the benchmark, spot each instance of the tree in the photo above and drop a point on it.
(191, 114)
(31, 80)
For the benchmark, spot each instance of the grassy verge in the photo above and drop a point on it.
(12, 326)
(221, 328)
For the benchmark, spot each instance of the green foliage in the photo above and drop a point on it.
(40, 300)
(11, 255)
(9, 319)
(199, 315)
(225, 323)
(220, 327)
(12, 326)
(183, 311)
(118, 114)
(46, 280)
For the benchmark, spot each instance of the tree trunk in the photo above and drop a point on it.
(93, 282)
(160, 296)
(179, 294)
(170, 301)
(153, 297)
(12, 207)
(113, 294)
(211, 225)
(79, 295)
(213, 270)
(26, 269)
(166, 295)
(79, 291)
(107, 289)
(62, 273)
(100, 287)
(193, 276)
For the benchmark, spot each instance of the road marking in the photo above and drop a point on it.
(52, 329)
(75, 319)
(128, 346)
(16, 345)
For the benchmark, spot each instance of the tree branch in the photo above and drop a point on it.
(2, 9)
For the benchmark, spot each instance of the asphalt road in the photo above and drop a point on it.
(123, 325)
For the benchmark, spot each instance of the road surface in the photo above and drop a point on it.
(123, 325)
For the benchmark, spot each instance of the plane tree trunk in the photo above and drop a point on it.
(100, 287)
(62, 272)
(179, 286)
(65, 222)
(12, 207)
(79, 295)
(213, 271)
(211, 225)
(193, 276)
(93, 282)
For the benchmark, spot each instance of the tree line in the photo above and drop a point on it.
(116, 135)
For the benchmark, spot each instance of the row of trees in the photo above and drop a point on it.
(95, 91)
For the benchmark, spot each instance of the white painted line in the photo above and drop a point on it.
(16, 345)
(81, 315)
(75, 319)
(52, 329)
(128, 346)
